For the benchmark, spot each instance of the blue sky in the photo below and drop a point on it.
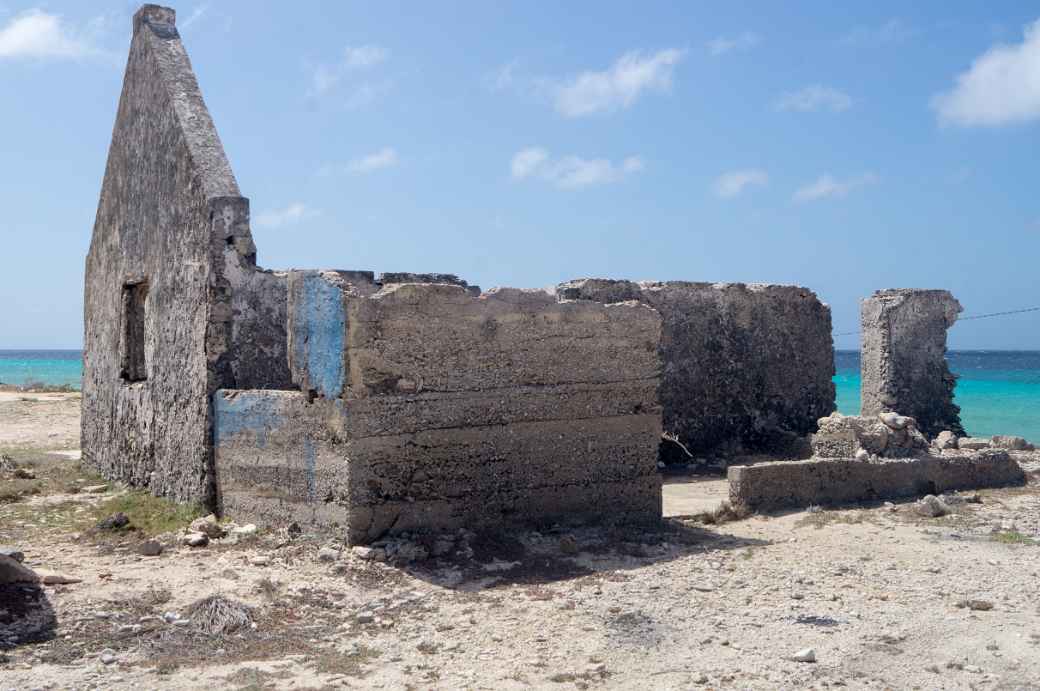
(846, 149)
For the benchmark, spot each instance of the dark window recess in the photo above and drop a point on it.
(133, 365)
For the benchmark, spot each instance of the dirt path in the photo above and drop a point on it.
(885, 598)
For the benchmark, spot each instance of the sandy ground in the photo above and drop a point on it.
(885, 598)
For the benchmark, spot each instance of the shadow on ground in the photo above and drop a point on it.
(26, 615)
(500, 559)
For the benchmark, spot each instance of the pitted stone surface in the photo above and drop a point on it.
(903, 359)
(828, 481)
(746, 367)
(434, 409)
(170, 217)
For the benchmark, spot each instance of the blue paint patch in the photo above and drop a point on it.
(310, 459)
(245, 413)
(325, 323)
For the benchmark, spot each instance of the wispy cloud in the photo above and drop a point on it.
(36, 34)
(731, 184)
(813, 98)
(826, 186)
(325, 77)
(726, 44)
(1001, 87)
(618, 86)
(570, 172)
(504, 78)
(196, 15)
(892, 31)
(384, 158)
(292, 214)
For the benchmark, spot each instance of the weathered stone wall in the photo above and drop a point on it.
(280, 457)
(460, 410)
(170, 216)
(827, 481)
(746, 367)
(903, 359)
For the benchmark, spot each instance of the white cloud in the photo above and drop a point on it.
(724, 44)
(826, 186)
(1001, 87)
(363, 56)
(294, 213)
(731, 184)
(325, 77)
(618, 86)
(571, 172)
(35, 34)
(527, 161)
(384, 158)
(815, 97)
(504, 77)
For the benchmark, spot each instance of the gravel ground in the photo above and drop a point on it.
(883, 597)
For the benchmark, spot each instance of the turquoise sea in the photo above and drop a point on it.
(998, 390)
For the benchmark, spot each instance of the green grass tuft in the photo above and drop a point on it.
(149, 514)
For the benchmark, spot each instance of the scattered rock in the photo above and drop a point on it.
(328, 554)
(973, 443)
(568, 545)
(209, 526)
(12, 571)
(804, 655)
(116, 521)
(976, 605)
(931, 506)
(260, 560)
(196, 539)
(150, 548)
(896, 421)
(24, 474)
(369, 553)
(95, 489)
(945, 440)
(1011, 443)
(58, 579)
(247, 529)
(108, 656)
(12, 552)
(862, 455)
(405, 551)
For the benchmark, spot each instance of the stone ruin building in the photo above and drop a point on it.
(376, 404)
(903, 357)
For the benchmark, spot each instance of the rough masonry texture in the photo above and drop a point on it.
(174, 305)
(903, 359)
(336, 398)
(434, 408)
(746, 367)
(829, 481)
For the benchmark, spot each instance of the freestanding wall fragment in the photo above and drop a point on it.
(903, 357)
(746, 367)
(174, 306)
(440, 409)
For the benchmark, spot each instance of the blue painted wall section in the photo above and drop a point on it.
(325, 322)
(245, 413)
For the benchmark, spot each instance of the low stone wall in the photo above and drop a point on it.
(427, 407)
(747, 368)
(825, 481)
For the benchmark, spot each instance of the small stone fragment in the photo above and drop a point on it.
(12, 552)
(59, 579)
(247, 529)
(328, 554)
(108, 656)
(973, 443)
(945, 440)
(150, 548)
(24, 474)
(931, 506)
(979, 605)
(196, 539)
(116, 521)
(95, 489)
(568, 545)
(804, 655)
(209, 526)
